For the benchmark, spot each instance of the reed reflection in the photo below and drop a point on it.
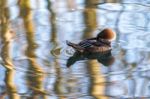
(6, 39)
(58, 84)
(36, 77)
(52, 22)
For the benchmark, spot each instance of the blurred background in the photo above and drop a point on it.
(33, 50)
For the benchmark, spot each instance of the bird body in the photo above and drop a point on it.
(101, 43)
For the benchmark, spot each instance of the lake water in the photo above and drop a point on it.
(34, 53)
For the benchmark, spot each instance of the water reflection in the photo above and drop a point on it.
(6, 39)
(105, 58)
(33, 57)
(34, 81)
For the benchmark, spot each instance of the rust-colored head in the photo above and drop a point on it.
(107, 34)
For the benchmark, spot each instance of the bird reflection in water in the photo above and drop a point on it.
(104, 58)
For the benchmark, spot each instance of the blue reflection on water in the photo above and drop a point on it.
(128, 77)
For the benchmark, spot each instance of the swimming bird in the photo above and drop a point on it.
(101, 43)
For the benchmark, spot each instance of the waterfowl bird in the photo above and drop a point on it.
(100, 43)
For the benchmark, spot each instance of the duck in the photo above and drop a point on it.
(100, 43)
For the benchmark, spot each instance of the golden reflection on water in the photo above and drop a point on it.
(97, 87)
(34, 82)
(58, 86)
(63, 83)
(5, 51)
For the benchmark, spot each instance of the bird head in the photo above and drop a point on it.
(107, 34)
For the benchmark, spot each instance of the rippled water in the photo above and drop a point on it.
(34, 53)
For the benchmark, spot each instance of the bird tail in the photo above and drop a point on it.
(68, 43)
(75, 46)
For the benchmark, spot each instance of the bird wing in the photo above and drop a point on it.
(86, 43)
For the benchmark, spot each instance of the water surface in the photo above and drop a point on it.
(34, 51)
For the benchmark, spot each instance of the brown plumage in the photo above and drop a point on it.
(101, 43)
